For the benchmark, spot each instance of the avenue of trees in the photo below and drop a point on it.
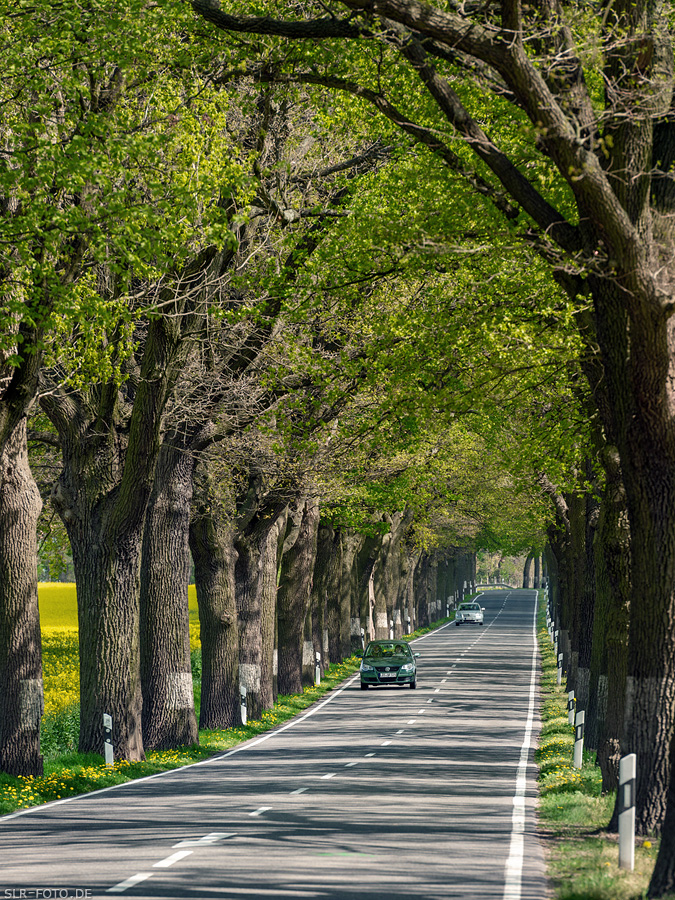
(325, 297)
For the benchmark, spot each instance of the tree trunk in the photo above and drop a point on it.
(327, 582)
(214, 556)
(166, 676)
(21, 698)
(526, 570)
(293, 597)
(257, 546)
(537, 571)
(610, 640)
(646, 442)
(663, 876)
(587, 608)
(351, 544)
(109, 457)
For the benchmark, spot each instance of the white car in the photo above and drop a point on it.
(471, 613)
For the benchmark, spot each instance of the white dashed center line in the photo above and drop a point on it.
(297, 791)
(411, 721)
(370, 754)
(130, 882)
(207, 839)
(170, 860)
(386, 743)
(258, 812)
(350, 764)
(400, 731)
(329, 775)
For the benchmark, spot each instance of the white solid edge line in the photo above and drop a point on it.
(204, 762)
(513, 870)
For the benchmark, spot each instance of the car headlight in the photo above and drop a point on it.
(407, 667)
(366, 668)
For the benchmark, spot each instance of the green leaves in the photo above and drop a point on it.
(114, 160)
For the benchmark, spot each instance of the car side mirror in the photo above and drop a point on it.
(415, 654)
(482, 609)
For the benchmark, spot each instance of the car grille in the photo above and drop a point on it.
(387, 673)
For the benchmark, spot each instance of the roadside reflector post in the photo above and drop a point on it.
(317, 673)
(555, 642)
(407, 624)
(363, 639)
(579, 724)
(570, 707)
(447, 610)
(242, 703)
(560, 668)
(107, 740)
(627, 770)
(391, 630)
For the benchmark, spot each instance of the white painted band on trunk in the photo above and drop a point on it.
(326, 643)
(381, 620)
(396, 616)
(307, 653)
(179, 693)
(355, 627)
(249, 676)
(275, 662)
(31, 704)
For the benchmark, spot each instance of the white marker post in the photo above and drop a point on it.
(570, 707)
(447, 610)
(242, 703)
(363, 639)
(317, 671)
(391, 630)
(560, 668)
(579, 724)
(407, 625)
(627, 769)
(555, 642)
(107, 740)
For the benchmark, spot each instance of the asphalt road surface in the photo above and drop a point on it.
(382, 794)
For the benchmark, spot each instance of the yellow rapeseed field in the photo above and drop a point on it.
(60, 657)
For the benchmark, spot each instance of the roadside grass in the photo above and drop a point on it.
(68, 773)
(582, 858)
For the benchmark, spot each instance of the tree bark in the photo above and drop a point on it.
(610, 640)
(526, 570)
(351, 544)
(294, 594)
(257, 547)
(168, 716)
(214, 556)
(21, 697)
(327, 582)
(537, 571)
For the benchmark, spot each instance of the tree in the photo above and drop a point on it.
(603, 223)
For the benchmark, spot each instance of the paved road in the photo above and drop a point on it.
(379, 795)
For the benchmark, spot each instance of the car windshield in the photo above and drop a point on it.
(471, 606)
(386, 649)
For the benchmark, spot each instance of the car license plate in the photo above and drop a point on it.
(387, 674)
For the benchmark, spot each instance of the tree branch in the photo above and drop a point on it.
(315, 29)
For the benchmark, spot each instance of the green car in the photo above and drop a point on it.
(388, 662)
